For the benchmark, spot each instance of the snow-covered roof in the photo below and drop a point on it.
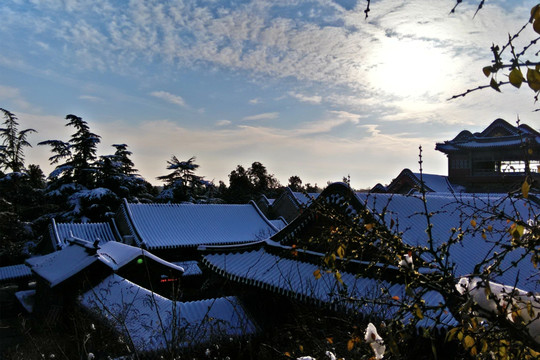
(279, 223)
(499, 134)
(153, 322)
(310, 283)
(455, 211)
(304, 199)
(60, 265)
(191, 267)
(14, 272)
(104, 232)
(432, 182)
(166, 226)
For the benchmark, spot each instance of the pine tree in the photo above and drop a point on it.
(13, 144)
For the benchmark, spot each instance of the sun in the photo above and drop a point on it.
(409, 68)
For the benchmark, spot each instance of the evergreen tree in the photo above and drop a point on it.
(13, 143)
(117, 173)
(182, 184)
(73, 184)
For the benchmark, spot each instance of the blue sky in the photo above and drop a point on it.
(308, 88)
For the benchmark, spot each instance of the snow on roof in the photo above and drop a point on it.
(304, 199)
(14, 272)
(60, 265)
(437, 183)
(279, 223)
(191, 267)
(87, 231)
(150, 320)
(451, 212)
(297, 279)
(160, 226)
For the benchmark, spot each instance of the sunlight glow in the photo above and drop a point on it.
(410, 68)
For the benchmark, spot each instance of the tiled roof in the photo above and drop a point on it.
(304, 199)
(296, 279)
(14, 272)
(60, 265)
(191, 267)
(498, 134)
(87, 231)
(150, 320)
(279, 223)
(432, 183)
(162, 226)
(451, 212)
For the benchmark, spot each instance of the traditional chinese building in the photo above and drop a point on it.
(498, 159)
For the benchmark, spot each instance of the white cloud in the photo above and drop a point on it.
(314, 99)
(91, 98)
(171, 98)
(255, 101)
(14, 96)
(223, 123)
(263, 116)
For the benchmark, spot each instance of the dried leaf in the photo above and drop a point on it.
(350, 344)
(473, 223)
(317, 274)
(525, 189)
(487, 70)
(468, 342)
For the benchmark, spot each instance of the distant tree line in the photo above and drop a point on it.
(85, 187)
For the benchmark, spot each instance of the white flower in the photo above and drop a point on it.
(375, 341)
(331, 355)
(91, 356)
(306, 358)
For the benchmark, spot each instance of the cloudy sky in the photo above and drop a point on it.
(308, 88)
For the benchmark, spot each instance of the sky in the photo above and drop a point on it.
(307, 88)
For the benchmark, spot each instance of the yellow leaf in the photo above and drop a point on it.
(490, 228)
(418, 312)
(535, 13)
(484, 236)
(494, 85)
(452, 334)
(301, 348)
(368, 227)
(341, 251)
(330, 340)
(516, 77)
(536, 26)
(350, 344)
(468, 342)
(484, 346)
(473, 223)
(317, 274)
(486, 70)
(395, 298)
(338, 277)
(533, 79)
(287, 354)
(525, 189)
